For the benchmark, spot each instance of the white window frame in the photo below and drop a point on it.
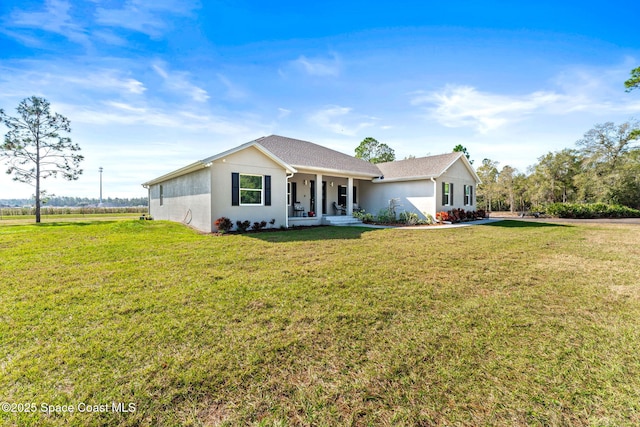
(468, 195)
(447, 193)
(241, 189)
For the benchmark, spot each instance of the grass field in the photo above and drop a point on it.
(510, 324)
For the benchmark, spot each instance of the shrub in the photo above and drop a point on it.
(430, 220)
(385, 216)
(367, 218)
(257, 226)
(243, 226)
(442, 216)
(223, 224)
(409, 218)
(590, 210)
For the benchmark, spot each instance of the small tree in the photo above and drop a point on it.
(462, 149)
(634, 80)
(34, 148)
(375, 152)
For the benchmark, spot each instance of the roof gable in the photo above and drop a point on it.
(424, 167)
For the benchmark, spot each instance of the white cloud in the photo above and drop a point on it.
(179, 83)
(55, 18)
(318, 66)
(464, 106)
(233, 91)
(340, 120)
(283, 112)
(147, 17)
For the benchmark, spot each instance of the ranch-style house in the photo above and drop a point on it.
(297, 182)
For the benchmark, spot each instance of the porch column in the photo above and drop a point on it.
(349, 196)
(319, 200)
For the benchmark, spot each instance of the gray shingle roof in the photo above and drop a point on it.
(424, 167)
(305, 154)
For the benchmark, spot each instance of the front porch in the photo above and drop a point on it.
(316, 199)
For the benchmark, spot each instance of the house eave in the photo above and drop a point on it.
(200, 164)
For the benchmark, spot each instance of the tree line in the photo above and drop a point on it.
(603, 168)
(59, 201)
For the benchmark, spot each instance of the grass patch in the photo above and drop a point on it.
(473, 326)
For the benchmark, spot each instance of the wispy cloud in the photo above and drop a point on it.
(323, 67)
(578, 90)
(178, 82)
(122, 113)
(55, 78)
(147, 17)
(54, 18)
(233, 90)
(340, 120)
(465, 106)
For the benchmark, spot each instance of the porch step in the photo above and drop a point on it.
(342, 220)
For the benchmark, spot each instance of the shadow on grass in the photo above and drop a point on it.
(311, 234)
(512, 223)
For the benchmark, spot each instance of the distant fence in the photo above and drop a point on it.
(79, 210)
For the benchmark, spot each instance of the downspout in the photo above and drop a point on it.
(435, 196)
(286, 206)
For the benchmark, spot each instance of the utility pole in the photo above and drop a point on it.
(100, 169)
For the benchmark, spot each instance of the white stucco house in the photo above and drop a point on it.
(297, 182)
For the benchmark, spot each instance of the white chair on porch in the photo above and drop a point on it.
(338, 209)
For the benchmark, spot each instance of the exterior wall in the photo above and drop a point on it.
(415, 196)
(185, 199)
(249, 161)
(459, 175)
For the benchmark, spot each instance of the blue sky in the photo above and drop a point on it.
(152, 85)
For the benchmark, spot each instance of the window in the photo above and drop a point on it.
(288, 194)
(250, 190)
(468, 195)
(447, 194)
(161, 195)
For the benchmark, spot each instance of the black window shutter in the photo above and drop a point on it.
(294, 192)
(451, 193)
(355, 199)
(235, 189)
(267, 190)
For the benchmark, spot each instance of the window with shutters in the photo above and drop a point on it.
(251, 187)
(447, 193)
(468, 195)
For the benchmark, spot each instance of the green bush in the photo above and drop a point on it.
(590, 210)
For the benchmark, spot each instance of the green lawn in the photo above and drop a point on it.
(509, 324)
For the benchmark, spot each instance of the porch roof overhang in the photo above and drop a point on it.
(382, 179)
(336, 172)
